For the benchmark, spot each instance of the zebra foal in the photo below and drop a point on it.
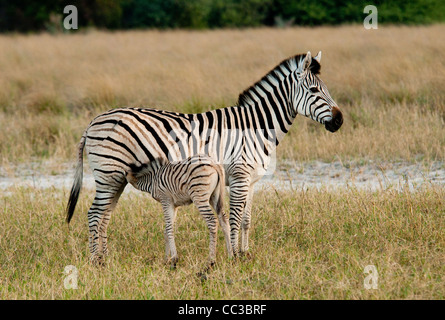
(197, 179)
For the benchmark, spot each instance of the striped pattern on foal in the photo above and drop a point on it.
(197, 179)
(242, 138)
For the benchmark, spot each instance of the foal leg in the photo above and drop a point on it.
(223, 219)
(206, 211)
(167, 246)
(170, 247)
(225, 226)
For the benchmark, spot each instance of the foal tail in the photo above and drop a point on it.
(77, 185)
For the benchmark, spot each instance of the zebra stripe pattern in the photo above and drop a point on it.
(197, 179)
(242, 138)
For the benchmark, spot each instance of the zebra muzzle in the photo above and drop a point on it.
(337, 120)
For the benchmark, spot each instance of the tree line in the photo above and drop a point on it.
(31, 15)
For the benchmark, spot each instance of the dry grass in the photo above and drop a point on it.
(305, 245)
(389, 83)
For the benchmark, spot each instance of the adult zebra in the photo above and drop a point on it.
(241, 137)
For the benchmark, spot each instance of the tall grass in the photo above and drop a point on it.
(388, 82)
(305, 245)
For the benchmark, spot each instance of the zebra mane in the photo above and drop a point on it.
(278, 73)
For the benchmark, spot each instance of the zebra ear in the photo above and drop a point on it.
(318, 57)
(307, 62)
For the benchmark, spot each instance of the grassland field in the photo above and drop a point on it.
(305, 243)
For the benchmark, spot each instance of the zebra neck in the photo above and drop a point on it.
(150, 178)
(270, 114)
(269, 100)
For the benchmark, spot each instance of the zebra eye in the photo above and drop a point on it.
(313, 89)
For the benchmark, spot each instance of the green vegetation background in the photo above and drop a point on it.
(29, 15)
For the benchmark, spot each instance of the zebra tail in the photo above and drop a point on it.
(222, 185)
(77, 185)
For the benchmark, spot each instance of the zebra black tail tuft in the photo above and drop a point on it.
(77, 185)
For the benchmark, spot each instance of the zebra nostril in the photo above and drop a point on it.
(336, 122)
(337, 116)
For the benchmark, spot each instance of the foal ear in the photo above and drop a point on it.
(318, 57)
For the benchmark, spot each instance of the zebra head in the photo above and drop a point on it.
(311, 97)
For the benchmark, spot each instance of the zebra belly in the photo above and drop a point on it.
(182, 202)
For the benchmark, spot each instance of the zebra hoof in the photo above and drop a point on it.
(97, 261)
(173, 262)
(246, 255)
(203, 274)
(210, 265)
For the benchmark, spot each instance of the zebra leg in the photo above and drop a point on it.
(212, 225)
(167, 247)
(245, 224)
(169, 217)
(225, 226)
(103, 241)
(239, 191)
(107, 195)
